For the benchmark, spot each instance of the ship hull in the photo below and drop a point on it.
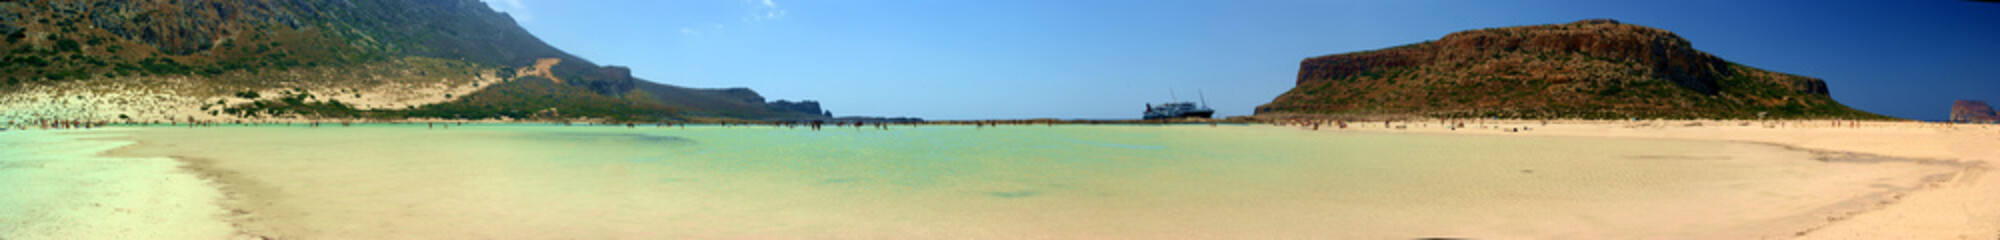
(1189, 114)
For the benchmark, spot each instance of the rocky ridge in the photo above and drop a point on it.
(207, 44)
(1586, 69)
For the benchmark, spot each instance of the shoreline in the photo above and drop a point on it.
(238, 197)
(1858, 217)
(1835, 214)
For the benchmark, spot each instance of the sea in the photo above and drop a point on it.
(540, 181)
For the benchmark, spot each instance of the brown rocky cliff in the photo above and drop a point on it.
(1670, 56)
(1599, 68)
(616, 80)
(1973, 111)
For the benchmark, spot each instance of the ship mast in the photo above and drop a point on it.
(1170, 93)
(1204, 98)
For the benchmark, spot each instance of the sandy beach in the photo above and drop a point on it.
(1672, 179)
(1966, 206)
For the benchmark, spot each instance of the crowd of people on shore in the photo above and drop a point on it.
(45, 124)
(1315, 124)
(1523, 125)
(48, 124)
(1448, 123)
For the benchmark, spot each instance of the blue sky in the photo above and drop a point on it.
(1106, 59)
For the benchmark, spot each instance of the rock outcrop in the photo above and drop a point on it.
(806, 106)
(614, 81)
(724, 102)
(1589, 68)
(1971, 111)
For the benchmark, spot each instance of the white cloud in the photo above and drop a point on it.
(766, 10)
(755, 11)
(511, 7)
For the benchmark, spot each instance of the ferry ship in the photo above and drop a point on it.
(1177, 110)
(1172, 110)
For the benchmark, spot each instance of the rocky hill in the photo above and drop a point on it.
(1971, 111)
(1584, 69)
(187, 59)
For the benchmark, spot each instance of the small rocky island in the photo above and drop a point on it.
(1973, 111)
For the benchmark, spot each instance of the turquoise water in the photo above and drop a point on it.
(929, 182)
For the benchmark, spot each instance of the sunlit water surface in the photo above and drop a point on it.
(930, 182)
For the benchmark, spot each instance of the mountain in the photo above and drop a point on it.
(1586, 69)
(199, 59)
(1971, 111)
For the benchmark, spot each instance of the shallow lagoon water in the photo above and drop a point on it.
(54, 186)
(929, 182)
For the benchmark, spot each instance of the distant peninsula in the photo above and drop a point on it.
(220, 60)
(1591, 69)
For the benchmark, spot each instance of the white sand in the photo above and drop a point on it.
(398, 84)
(53, 186)
(1966, 207)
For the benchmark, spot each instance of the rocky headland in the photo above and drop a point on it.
(1598, 68)
(222, 60)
